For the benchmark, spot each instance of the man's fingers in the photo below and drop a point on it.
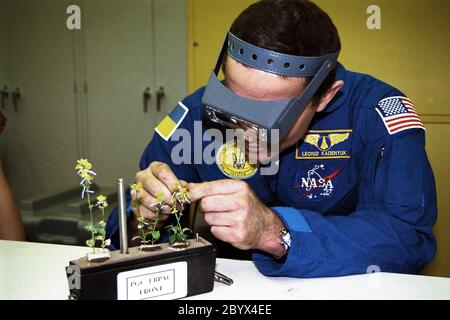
(164, 174)
(219, 219)
(153, 186)
(227, 186)
(149, 214)
(145, 199)
(220, 203)
(184, 183)
(222, 233)
(149, 202)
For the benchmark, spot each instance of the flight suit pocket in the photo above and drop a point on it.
(398, 173)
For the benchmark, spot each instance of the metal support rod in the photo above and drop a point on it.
(123, 234)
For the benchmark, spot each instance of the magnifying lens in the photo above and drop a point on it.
(226, 108)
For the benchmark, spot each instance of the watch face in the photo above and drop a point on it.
(285, 239)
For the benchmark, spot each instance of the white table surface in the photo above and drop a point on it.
(37, 271)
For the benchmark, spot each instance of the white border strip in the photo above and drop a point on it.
(186, 110)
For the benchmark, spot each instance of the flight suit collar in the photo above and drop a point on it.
(341, 96)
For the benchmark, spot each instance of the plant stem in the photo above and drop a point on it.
(103, 214)
(91, 216)
(143, 235)
(178, 216)
(155, 223)
(103, 227)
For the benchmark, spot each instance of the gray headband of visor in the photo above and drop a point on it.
(225, 107)
(274, 62)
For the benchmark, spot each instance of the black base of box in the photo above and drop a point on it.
(98, 281)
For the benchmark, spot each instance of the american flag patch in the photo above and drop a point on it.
(398, 114)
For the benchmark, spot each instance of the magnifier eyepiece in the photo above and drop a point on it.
(228, 109)
(233, 122)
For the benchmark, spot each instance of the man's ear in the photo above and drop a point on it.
(329, 95)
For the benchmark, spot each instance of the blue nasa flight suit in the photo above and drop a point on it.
(353, 196)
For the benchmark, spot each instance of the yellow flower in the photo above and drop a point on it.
(160, 196)
(83, 164)
(101, 198)
(176, 186)
(141, 219)
(185, 192)
(102, 201)
(136, 187)
(85, 175)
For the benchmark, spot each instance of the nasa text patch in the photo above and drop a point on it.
(316, 182)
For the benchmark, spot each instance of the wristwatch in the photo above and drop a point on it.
(285, 239)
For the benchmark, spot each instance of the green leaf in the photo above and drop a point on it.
(101, 231)
(90, 243)
(141, 225)
(187, 229)
(172, 239)
(181, 237)
(101, 238)
(155, 235)
(90, 228)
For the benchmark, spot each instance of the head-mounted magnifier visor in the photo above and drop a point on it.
(225, 107)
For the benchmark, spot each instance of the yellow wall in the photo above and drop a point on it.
(410, 52)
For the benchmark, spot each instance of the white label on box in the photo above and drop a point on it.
(167, 281)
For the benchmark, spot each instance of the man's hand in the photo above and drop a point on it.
(237, 216)
(157, 178)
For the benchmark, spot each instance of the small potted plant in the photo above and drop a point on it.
(102, 203)
(149, 233)
(178, 234)
(98, 232)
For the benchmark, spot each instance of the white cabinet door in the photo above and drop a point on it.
(41, 145)
(130, 46)
(5, 104)
(123, 48)
(170, 21)
(4, 74)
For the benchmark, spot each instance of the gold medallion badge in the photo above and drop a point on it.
(233, 162)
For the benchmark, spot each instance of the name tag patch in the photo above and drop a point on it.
(325, 144)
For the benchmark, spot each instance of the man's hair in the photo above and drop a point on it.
(296, 27)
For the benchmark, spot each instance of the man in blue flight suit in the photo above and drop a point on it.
(353, 187)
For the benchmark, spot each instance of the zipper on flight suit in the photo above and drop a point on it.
(380, 156)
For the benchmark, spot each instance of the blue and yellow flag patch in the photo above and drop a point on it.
(171, 122)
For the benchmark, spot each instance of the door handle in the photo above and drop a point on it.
(147, 97)
(16, 94)
(4, 93)
(159, 96)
